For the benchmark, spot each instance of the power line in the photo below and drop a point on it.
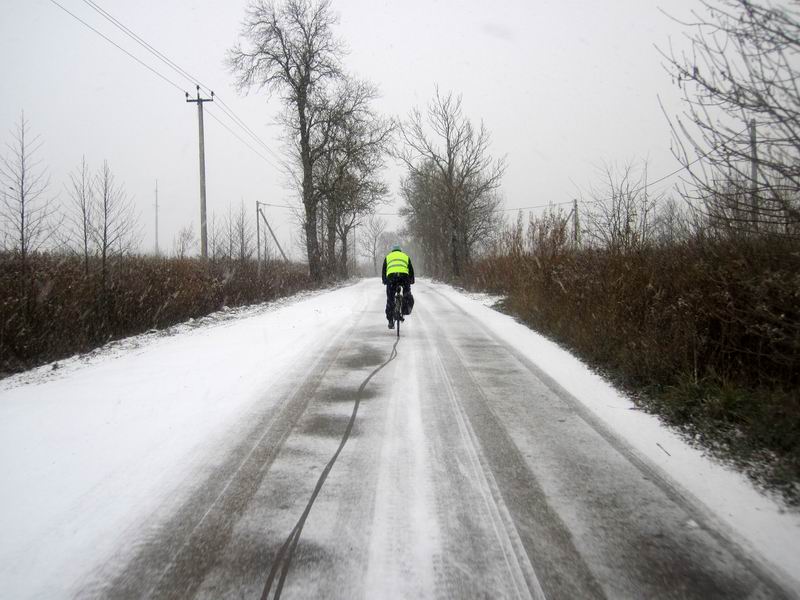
(236, 135)
(225, 108)
(635, 190)
(131, 34)
(113, 43)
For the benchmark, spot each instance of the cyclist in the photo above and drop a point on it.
(397, 271)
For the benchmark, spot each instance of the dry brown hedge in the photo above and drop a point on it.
(731, 309)
(706, 332)
(49, 309)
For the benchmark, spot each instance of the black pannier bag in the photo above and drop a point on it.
(408, 304)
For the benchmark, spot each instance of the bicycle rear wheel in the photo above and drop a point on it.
(398, 312)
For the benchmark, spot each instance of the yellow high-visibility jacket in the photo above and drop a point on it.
(397, 262)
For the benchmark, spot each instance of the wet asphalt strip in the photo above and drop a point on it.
(283, 559)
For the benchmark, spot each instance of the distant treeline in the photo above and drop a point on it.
(50, 308)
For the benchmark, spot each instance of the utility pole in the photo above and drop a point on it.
(753, 174)
(576, 229)
(156, 217)
(258, 237)
(260, 213)
(203, 231)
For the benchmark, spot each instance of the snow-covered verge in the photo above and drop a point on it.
(760, 522)
(89, 450)
(122, 347)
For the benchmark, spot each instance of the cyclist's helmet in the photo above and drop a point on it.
(396, 248)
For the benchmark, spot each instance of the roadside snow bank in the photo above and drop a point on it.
(758, 521)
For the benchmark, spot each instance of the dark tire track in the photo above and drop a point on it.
(178, 556)
(283, 559)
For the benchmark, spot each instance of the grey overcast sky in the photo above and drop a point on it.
(562, 86)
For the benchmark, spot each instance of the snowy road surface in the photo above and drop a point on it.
(301, 452)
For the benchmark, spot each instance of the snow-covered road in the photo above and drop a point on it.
(472, 459)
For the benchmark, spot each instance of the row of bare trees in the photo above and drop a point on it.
(97, 220)
(738, 140)
(338, 144)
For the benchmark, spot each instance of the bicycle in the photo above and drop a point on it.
(398, 308)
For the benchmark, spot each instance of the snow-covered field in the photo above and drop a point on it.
(101, 447)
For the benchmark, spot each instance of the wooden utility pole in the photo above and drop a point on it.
(203, 231)
(260, 213)
(258, 236)
(156, 217)
(753, 175)
(576, 226)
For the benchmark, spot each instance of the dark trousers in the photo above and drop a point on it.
(395, 280)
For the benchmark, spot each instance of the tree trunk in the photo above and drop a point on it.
(309, 200)
(312, 246)
(331, 257)
(343, 257)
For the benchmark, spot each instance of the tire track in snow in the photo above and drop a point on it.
(283, 560)
(771, 582)
(177, 556)
(516, 559)
(405, 548)
(534, 543)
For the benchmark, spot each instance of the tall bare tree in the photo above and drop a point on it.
(446, 154)
(26, 208)
(81, 211)
(348, 173)
(217, 243)
(289, 47)
(740, 135)
(374, 227)
(243, 238)
(116, 228)
(185, 242)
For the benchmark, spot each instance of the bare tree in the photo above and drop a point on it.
(347, 174)
(425, 213)
(81, 212)
(620, 212)
(243, 244)
(217, 245)
(185, 242)
(229, 234)
(116, 228)
(371, 233)
(739, 138)
(672, 222)
(26, 208)
(449, 158)
(290, 48)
